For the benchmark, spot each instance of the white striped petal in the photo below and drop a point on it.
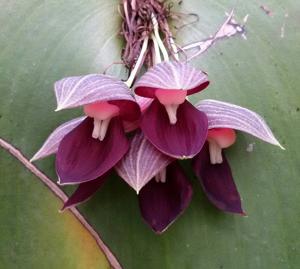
(141, 163)
(226, 115)
(51, 144)
(172, 75)
(143, 102)
(81, 90)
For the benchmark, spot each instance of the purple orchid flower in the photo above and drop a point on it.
(88, 147)
(164, 192)
(171, 123)
(211, 165)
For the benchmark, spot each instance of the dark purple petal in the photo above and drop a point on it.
(81, 90)
(50, 146)
(161, 203)
(181, 140)
(84, 192)
(217, 182)
(141, 163)
(171, 75)
(129, 111)
(143, 104)
(81, 158)
(226, 115)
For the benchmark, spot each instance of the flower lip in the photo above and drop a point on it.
(170, 97)
(127, 110)
(101, 110)
(224, 137)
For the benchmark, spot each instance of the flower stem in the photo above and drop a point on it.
(156, 54)
(171, 43)
(138, 63)
(174, 48)
(157, 36)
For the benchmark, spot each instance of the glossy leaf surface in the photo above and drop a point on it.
(43, 41)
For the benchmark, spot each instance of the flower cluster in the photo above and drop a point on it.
(164, 127)
(141, 131)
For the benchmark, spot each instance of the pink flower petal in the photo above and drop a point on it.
(78, 91)
(141, 163)
(50, 146)
(181, 140)
(84, 192)
(143, 102)
(171, 76)
(217, 182)
(226, 115)
(162, 203)
(81, 158)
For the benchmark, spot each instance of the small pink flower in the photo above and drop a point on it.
(89, 147)
(211, 165)
(171, 123)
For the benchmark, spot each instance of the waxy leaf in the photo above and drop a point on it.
(84, 191)
(162, 203)
(171, 76)
(81, 158)
(51, 144)
(217, 182)
(81, 90)
(226, 115)
(181, 140)
(141, 163)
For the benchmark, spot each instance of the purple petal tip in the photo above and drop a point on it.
(162, 203)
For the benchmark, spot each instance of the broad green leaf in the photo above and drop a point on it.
(33, 232)
(43, 41)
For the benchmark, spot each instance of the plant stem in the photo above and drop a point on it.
(157, 36)
(138, 63)
(156, 56)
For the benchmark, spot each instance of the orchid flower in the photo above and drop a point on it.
(88, 147)
(150, 162)
(164, 191)
(167, 126)
(210, 165)
(171, 123)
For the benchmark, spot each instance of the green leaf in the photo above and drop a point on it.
(43, 41)
(33, 232)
